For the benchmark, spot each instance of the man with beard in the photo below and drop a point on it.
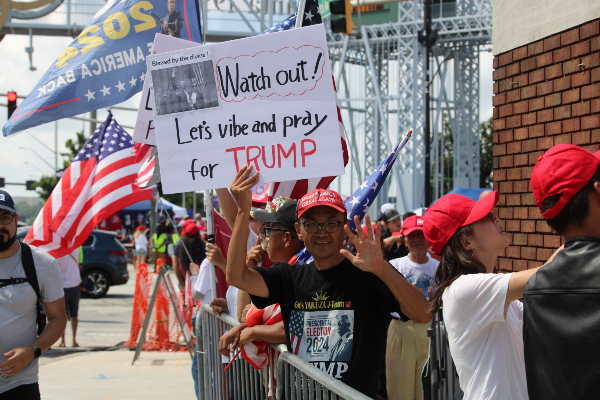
(19, 345)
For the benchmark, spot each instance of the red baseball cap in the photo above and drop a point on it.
(564, 169)
(411, 224)
(452, 212)
(320, 197)
(190, 229)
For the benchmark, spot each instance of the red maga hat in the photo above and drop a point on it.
(411, 224)
(320, 197)
(452, 212)
(190, 229)
(564, 169)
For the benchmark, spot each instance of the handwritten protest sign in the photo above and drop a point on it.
(144, 125)
(267, 100)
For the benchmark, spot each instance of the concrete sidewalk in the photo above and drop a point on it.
(110, 375)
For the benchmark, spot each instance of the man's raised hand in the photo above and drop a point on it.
(368, 249)
(241, 188)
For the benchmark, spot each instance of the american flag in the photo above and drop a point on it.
(296, 330)
(363, 197)
(297, 189)
(147, 157)
(100, 181)
(301, 257)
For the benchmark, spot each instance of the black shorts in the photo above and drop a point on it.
(29, 391)
(72, 296)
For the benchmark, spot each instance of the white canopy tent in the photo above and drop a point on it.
(179, 211)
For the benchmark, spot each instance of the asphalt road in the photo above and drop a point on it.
(103, 323)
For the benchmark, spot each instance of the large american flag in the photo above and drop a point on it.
(100, 181)
(363, 197)
(298, 188)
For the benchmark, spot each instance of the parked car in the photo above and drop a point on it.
(104, 261)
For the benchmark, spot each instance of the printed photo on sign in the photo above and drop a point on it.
(185, 88)
(322, 335)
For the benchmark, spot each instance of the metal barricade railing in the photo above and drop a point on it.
(286, 377)
(444, 378)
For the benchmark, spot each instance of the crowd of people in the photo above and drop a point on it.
(360, 306)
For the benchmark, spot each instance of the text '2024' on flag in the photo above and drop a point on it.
(101, 180)
(106, 63)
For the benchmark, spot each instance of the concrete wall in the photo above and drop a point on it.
(519, 22)
(542, 97)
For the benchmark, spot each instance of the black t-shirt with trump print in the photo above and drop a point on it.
(334, 319)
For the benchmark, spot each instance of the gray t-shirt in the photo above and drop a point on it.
(17, 309)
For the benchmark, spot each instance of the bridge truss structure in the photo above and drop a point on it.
(380, 79)
(381, 90)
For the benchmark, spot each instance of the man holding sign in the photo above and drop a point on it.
(333, 308)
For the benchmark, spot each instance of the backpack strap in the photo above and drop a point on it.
(29, 267)
(30, 273)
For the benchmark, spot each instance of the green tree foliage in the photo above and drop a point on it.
(27, 212)
(177, 199)
(486, 154)
(46, 184)
(73, 146)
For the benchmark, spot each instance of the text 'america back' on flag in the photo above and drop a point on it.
(106, 63)
(101, 180)
(363, 197)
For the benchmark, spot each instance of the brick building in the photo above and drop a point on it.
(546, 92)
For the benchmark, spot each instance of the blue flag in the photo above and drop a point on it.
(106, 64)
(363, 197)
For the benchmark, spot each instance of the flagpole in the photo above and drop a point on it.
(300, 13)
(210, 235)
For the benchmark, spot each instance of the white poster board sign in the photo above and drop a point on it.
(267, 100)
(144, 125)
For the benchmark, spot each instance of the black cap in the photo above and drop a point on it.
(6, 202)
(285, 215)
(389, 215)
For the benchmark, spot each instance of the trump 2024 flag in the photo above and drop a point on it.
(106, 63)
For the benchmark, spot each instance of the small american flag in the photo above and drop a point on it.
(302, 257)
(100, 181)
(296, 330)
(363, 197)
(297, 189)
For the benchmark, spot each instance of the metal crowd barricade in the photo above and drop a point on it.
(286, 377)
(444, 378)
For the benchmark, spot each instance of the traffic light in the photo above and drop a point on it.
(30, 185)
(12, 102)
(1, 182)
(344, 24)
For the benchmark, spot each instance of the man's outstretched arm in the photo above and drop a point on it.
(248, 280)
(369, 259)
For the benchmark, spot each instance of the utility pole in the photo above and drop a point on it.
(427, 38)
(93, 116)
(55, 147)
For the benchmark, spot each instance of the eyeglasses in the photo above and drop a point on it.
(269, 231)
(329, 226)
(7, 218)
